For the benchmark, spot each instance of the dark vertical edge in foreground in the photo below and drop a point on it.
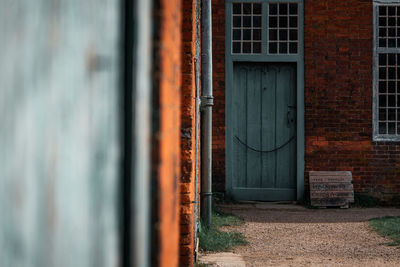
(155, 124)
(127, 54)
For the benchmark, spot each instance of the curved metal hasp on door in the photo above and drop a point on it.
(266, 151)
(288, 117)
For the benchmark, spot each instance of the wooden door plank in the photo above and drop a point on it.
(284, 174)
(268, 125)
(254, 126)
(239, 125)
(293, 125)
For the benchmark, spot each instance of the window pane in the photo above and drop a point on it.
(246, 27)
(237, 21)
(293, 22)
(391, 59)
(283, 35)
(246, 34)
(391, 114)
(293, 48)
(273, 48)
(382, 10)
(391, 43)
(273, 35)
(237, 8)
(391, 128)
(256, 8)
(287, 28)
(382, 87)
(237, 35)
(382, 21)
(391, 10)
(283, 9)
(246, 8)
(246, 47)
(236, 47)
(257, 47)
(391, 22)
(382, 59)
(382, 73)
(392, 32)
(247, 21)
(382, 114)
(382, 32)
(293, 35)
(382, 42)
(283, 22)
(293, 9)
(382, 128)
(382, 101)
(391, 87)
(256, 34)
(283, 48)
(273, 22)
(392, 73)
(273, 9)
(257, 21)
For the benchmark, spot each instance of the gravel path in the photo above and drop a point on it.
(290, 235)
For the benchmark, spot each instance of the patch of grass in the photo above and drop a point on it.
(197, 264)
(213, 239)
(388, 227)
(364, 201)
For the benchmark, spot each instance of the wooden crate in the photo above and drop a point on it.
(331, 188)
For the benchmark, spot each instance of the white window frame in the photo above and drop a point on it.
(376, 50)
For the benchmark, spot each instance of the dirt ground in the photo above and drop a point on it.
(291, 235)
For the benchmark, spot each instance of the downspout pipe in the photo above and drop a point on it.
(206, 108)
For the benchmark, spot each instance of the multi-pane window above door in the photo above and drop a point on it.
(246, 28)
(265, 28)
(386, 123)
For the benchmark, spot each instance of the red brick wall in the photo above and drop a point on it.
(188, 94)
(166, 143)
(218, 146)
(338, 97)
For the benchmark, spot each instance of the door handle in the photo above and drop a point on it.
(289, 118)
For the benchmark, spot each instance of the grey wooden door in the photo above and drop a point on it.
(264, 131)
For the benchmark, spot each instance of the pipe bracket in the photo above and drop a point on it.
(206, 101)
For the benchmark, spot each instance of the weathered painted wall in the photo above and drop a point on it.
(166, 142)
(59, 137)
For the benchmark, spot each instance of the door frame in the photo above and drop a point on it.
(230, 59)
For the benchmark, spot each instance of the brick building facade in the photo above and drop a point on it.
(338, 97)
